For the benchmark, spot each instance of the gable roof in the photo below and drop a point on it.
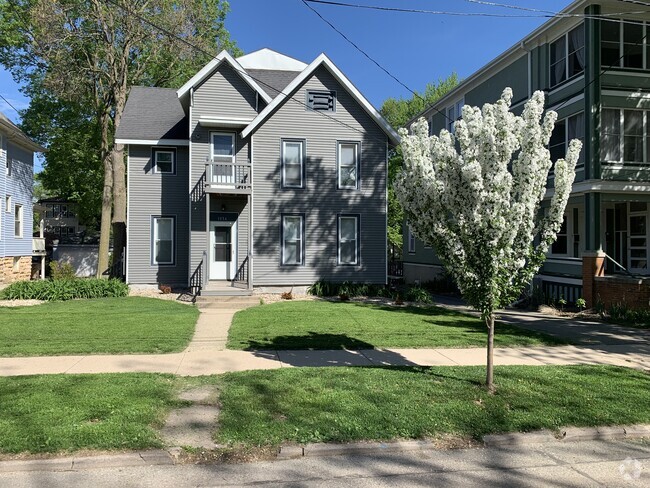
(17, 136)
(208, 69)
(322, 60)
(273, 81)
(152, 114)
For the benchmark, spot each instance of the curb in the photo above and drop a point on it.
(169, 457)
(77, 463)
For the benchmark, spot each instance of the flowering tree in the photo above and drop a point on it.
(475, 197)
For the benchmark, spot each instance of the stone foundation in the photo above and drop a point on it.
(17, 268)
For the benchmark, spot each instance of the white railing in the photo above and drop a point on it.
(38, 245)
(228, 176)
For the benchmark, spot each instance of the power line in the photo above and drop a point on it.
(243, 72)
(539, 13)
(9, 103)
(416, 94)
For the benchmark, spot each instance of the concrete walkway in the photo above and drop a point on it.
(206, 354)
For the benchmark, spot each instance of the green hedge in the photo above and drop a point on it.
(65, 289)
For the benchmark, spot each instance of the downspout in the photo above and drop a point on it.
(529, 76)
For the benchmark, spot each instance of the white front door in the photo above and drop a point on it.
(223, 250)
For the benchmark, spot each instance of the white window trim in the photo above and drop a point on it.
(341, 240)
(300, 239)
(357, 161)
(223, 159)
(411, 241)
(154, 239)
(19, 218)
(454, 112)
(156, 168)
(302, 144)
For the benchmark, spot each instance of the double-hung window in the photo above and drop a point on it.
(565, 131)
(348, 165)
(568, 55)
(625, 136)
(561, 244)
(411, 240)
(164, 161)
(293, 239)
(18, 221)
(162, 240)
(454, 113)
(348, 232)
(293, 163)
(624, 44)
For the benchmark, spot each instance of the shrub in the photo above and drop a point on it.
(348, 289)
(417, 294)
(62, 271)
(581, 303)
(65, 289)
(165, 289)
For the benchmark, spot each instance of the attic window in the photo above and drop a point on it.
(322, 101)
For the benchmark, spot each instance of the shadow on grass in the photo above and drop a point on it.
(311, 341)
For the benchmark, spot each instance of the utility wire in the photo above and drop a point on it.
(211, 55)
(416, 94)
(549, 15)
(9, 103)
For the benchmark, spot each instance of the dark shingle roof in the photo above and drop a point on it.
(272, 81)
(153, 113)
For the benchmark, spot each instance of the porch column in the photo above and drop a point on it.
(42, 267)
(250, 241)
(592, 93)
(593, 265)
(593, 235)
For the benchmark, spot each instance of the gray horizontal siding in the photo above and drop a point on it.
(152, 194)
(320, 200)
(224, 94)
(20, 186)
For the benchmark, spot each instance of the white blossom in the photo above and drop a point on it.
(476, 196)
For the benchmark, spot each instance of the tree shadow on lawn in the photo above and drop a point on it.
(317, 349)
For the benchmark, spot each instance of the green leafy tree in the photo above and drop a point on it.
(398, 112)
(90, 52)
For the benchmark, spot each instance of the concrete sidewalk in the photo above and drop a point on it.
(206, 354)
(213, 361)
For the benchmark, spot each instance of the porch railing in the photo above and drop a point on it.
(241, 277)
(396, 269)
(200, 276)
(228, 177)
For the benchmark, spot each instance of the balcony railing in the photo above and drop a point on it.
(38, 246)
(223, 177)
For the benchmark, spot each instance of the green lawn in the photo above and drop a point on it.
(72, 412)
(104, 325)
(348, 404)
(336, 325)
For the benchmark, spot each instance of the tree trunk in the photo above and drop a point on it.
(489, 380)
(119, 205)
(107, 197)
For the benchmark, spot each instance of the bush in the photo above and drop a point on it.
(349, 290)
(165, 289)
(622, 314)
(65, 289)
(62, 271)
(417, 294)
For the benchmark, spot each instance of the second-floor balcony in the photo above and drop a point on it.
(228, 177)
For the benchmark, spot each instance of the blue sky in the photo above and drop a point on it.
(416, 48)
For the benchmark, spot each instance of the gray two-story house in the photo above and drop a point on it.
(16, 220)
(260, 171)
(593, 62)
